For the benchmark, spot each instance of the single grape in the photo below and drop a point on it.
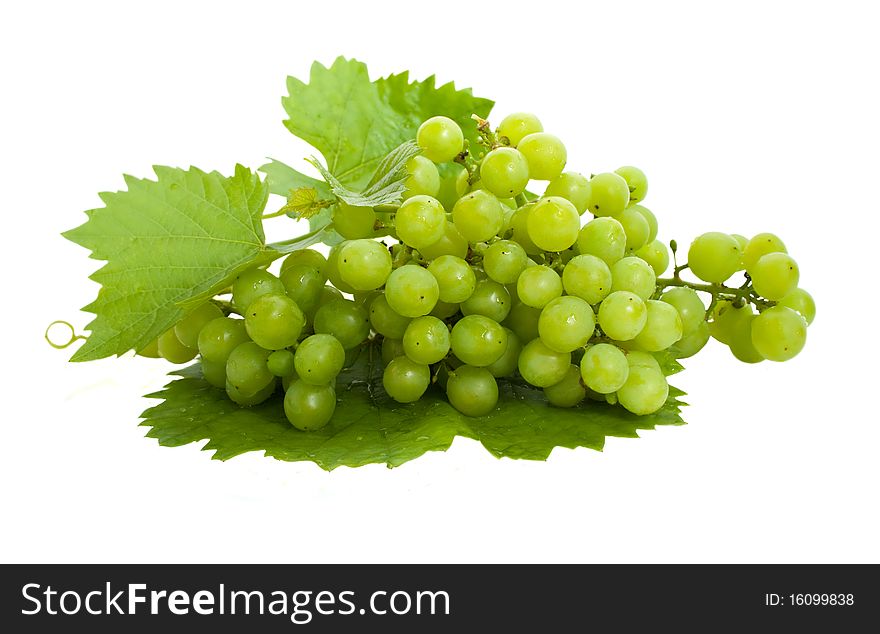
(274, 321)
(758, 247)
(537, 285)
(692, 343)
(391, 348)
(801, 302)
(518, 125)
(490, 299)
(504, 172)
(280, 363)
(420, 221)
(656, 255)
(519, 227)
(553, 224)
(364, 264)
(523, 320)
(644, 392)
(219, 337)
(328, 294)
(505, 365)
(151, 350)
(574, 187)
(649, 217)
(503, 261)
(214, 373)
(309, 257)
(332, 269)
(411, 291)
(249, 400)
(309, 407)
(450, 243)
(405, 380)
(636, 181)
(636, 228)
(741, 342)
(635, 275)
(724, 319)
(478, 340)
(779, 333)
(319, 358)
(743, 242)
(472, 390)
(353, 222)
(587, 277)
(426, 340)
(714, 256)
(662, 327)
(639, 358)
(568, 392)
(247, 369)
(453, 185)
(423, 179)
(690, 307)
(775, 275)
(545, 155)
(609, 194)
(252, 284)
(188, 328)
(622, 315)
(443, 310)
(477, 216)
(541, 366)
(172, 349)
(345, 320)
(566, 323)
(604, 368)
(385, 320)
(440, 138)
(603, 237)
(304, 285)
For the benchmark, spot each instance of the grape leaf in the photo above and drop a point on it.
(169, 244)
(369, 427)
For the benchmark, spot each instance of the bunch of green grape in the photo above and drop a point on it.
(471, 279)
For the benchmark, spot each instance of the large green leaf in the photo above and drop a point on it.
(169, 244)
(369, 427)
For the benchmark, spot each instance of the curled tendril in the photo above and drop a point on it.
(73, 336)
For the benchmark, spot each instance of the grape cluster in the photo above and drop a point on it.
(471, 279)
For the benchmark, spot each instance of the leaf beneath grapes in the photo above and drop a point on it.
(369, 427)
(169, 244)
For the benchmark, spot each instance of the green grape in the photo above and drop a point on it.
(518, 125)
(690, 307)
(503, 261)
(214, 373)
(802, 303)
(519, 227)
(443, 310)
(743, 242)
(504, 172)
(420, 221)
(247, 369)
(545, 155)
(252, 284)
(691, 344)
(385, 321)
(568, 392)
(644, 392)
(319, 358)
(537, 285)
(309, 407)
(355, 222)
(304, 285)
(604, 368)
(332, 270)
(523, 320)
(188, 329)
(553, 224)
(477, 216)
(405, 380)
(636, 181)
(478, 340)
(287, 381)
(490, 299)
(714, 256)
(639, 358)
(635, 275)
(450, 243)
(574, 187)
(151, 350)
(758, 247)
(440, 138)
(603, 237)
(411, 291)
(328, 294)
(423, 179)
(426, 340)
(172, 349)
(541, 366)
(662, 327)
(622, 315)
(636, 228)
(566, 323)
(725, 317)
(281, 363)
(453, 186)
(656, 255)
(609, 194)
(779, 333)
(505, 365)
(345, 320)
(219, 337)
(249, 400)
(274, 321)
(741, 342)
(364, 264)
(775, 275)
(587, 277)
(309, 257)
(365, 298)
(471, 390)
(391, 348)
(649, 217)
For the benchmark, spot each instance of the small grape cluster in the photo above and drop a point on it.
(481, 280)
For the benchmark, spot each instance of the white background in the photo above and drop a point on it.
(755, 117)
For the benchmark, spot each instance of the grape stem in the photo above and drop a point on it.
(716, 290)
